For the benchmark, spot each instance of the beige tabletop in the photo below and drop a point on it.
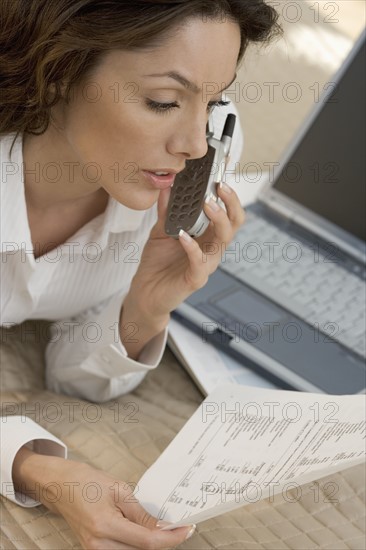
(328, 514)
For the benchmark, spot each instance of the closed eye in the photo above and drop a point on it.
(220, 103)
(167, 107)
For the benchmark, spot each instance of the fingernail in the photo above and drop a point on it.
(191, 531)
(212, 204)
(161, 523)
(225, 187)
(185, 235)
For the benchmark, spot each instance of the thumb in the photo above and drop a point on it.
(137, 514)
(132, 510)
(143, 518)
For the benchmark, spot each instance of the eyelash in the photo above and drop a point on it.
(163, 108)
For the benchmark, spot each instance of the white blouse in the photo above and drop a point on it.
(80, 286)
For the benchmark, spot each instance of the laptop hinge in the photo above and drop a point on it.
(270, 202)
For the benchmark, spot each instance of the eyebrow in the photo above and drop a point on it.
(191, 86)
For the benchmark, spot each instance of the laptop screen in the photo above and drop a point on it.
(326, 172)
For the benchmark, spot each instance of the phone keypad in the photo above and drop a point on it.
(188, 194)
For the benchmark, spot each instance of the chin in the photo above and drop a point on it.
(142, 201)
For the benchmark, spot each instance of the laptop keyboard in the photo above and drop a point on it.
(309, 284)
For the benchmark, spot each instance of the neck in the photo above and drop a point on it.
(53, 176)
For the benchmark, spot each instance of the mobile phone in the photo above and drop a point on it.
(197, 181)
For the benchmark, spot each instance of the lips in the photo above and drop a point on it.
(160, 181)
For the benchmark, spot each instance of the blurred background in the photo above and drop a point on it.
(278, 85)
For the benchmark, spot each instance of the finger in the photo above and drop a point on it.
(223, 227)
(197, 273)
(122, 531)
(139, 527)
(108, 544)
(163, 200)
(235, 211)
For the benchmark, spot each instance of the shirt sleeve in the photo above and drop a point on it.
(86, 357)
(16, 432)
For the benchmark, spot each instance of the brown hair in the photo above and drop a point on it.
(47, 43)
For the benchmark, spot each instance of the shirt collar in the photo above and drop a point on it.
(14, 217)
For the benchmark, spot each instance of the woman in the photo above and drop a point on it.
(98, 98)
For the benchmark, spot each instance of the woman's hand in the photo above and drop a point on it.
(170, 270)
(100, 510)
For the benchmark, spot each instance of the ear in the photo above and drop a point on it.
(56, 89)
(56, 98)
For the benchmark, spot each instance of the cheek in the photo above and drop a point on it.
(94, 130)
(106, 131)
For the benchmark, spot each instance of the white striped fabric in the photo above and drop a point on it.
(79, 285)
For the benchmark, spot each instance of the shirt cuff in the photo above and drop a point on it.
(108, 357)
(124, 373)
(17, 431)
(110, 341)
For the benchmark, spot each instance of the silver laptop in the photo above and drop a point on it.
(289, 297)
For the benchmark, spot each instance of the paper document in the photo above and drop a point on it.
(244, 444)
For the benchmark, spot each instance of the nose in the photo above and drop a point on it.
(189, 140)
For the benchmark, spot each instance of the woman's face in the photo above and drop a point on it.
(115, 122)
